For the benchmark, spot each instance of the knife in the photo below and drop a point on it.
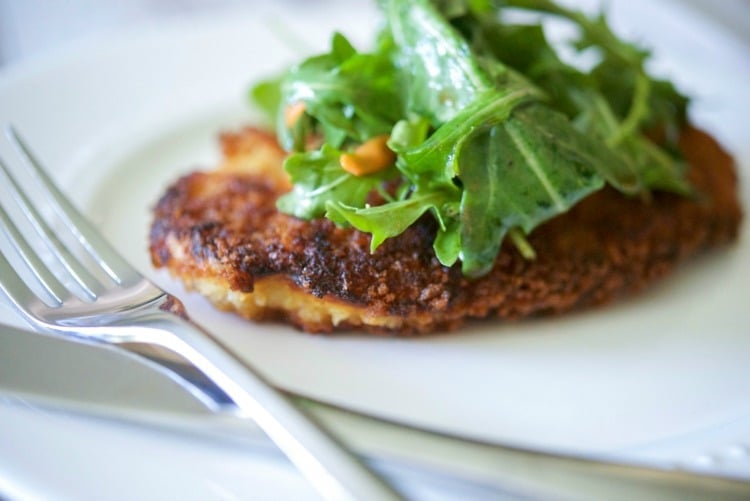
(75, 380)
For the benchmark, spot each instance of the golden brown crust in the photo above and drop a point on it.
(220, 233)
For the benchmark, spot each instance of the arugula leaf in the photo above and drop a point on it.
(437, 59)
(664, 107)
(407, 134)
(655, 168)
(518, 174)
(267, 95)
(441, 148)
(389, 220)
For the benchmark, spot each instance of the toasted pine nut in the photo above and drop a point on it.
(369, 157)
(294, 112)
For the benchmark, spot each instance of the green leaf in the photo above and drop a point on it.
(267, 96)
(664, 105)
(654, 167)
(516, 174)
(389, 220)
(441, 76)
(408, 134)
(434, 160)
(341, 48)
(447, 244)
(556, 135)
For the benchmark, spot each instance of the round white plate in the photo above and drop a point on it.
(651, 377)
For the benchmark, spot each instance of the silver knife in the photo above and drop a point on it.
(407, 455)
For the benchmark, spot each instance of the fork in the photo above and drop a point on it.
(113, 304)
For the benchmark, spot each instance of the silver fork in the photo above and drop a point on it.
(120, 307)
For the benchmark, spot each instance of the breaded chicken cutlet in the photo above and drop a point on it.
(221, 234)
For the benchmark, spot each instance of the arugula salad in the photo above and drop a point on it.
(463, 112)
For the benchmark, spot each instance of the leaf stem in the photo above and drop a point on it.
(638, 109)
(522, 244)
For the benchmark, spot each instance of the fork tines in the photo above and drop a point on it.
(44, 248)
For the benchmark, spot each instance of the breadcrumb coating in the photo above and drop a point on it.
(221, 234)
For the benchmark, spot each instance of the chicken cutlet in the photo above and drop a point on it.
(221, 234)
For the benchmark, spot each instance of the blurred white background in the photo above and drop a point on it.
(30, 27)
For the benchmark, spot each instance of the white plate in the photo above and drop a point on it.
(664, 375)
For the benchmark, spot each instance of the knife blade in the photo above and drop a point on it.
(76, 378)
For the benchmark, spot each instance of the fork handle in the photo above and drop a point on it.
(321, 458)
